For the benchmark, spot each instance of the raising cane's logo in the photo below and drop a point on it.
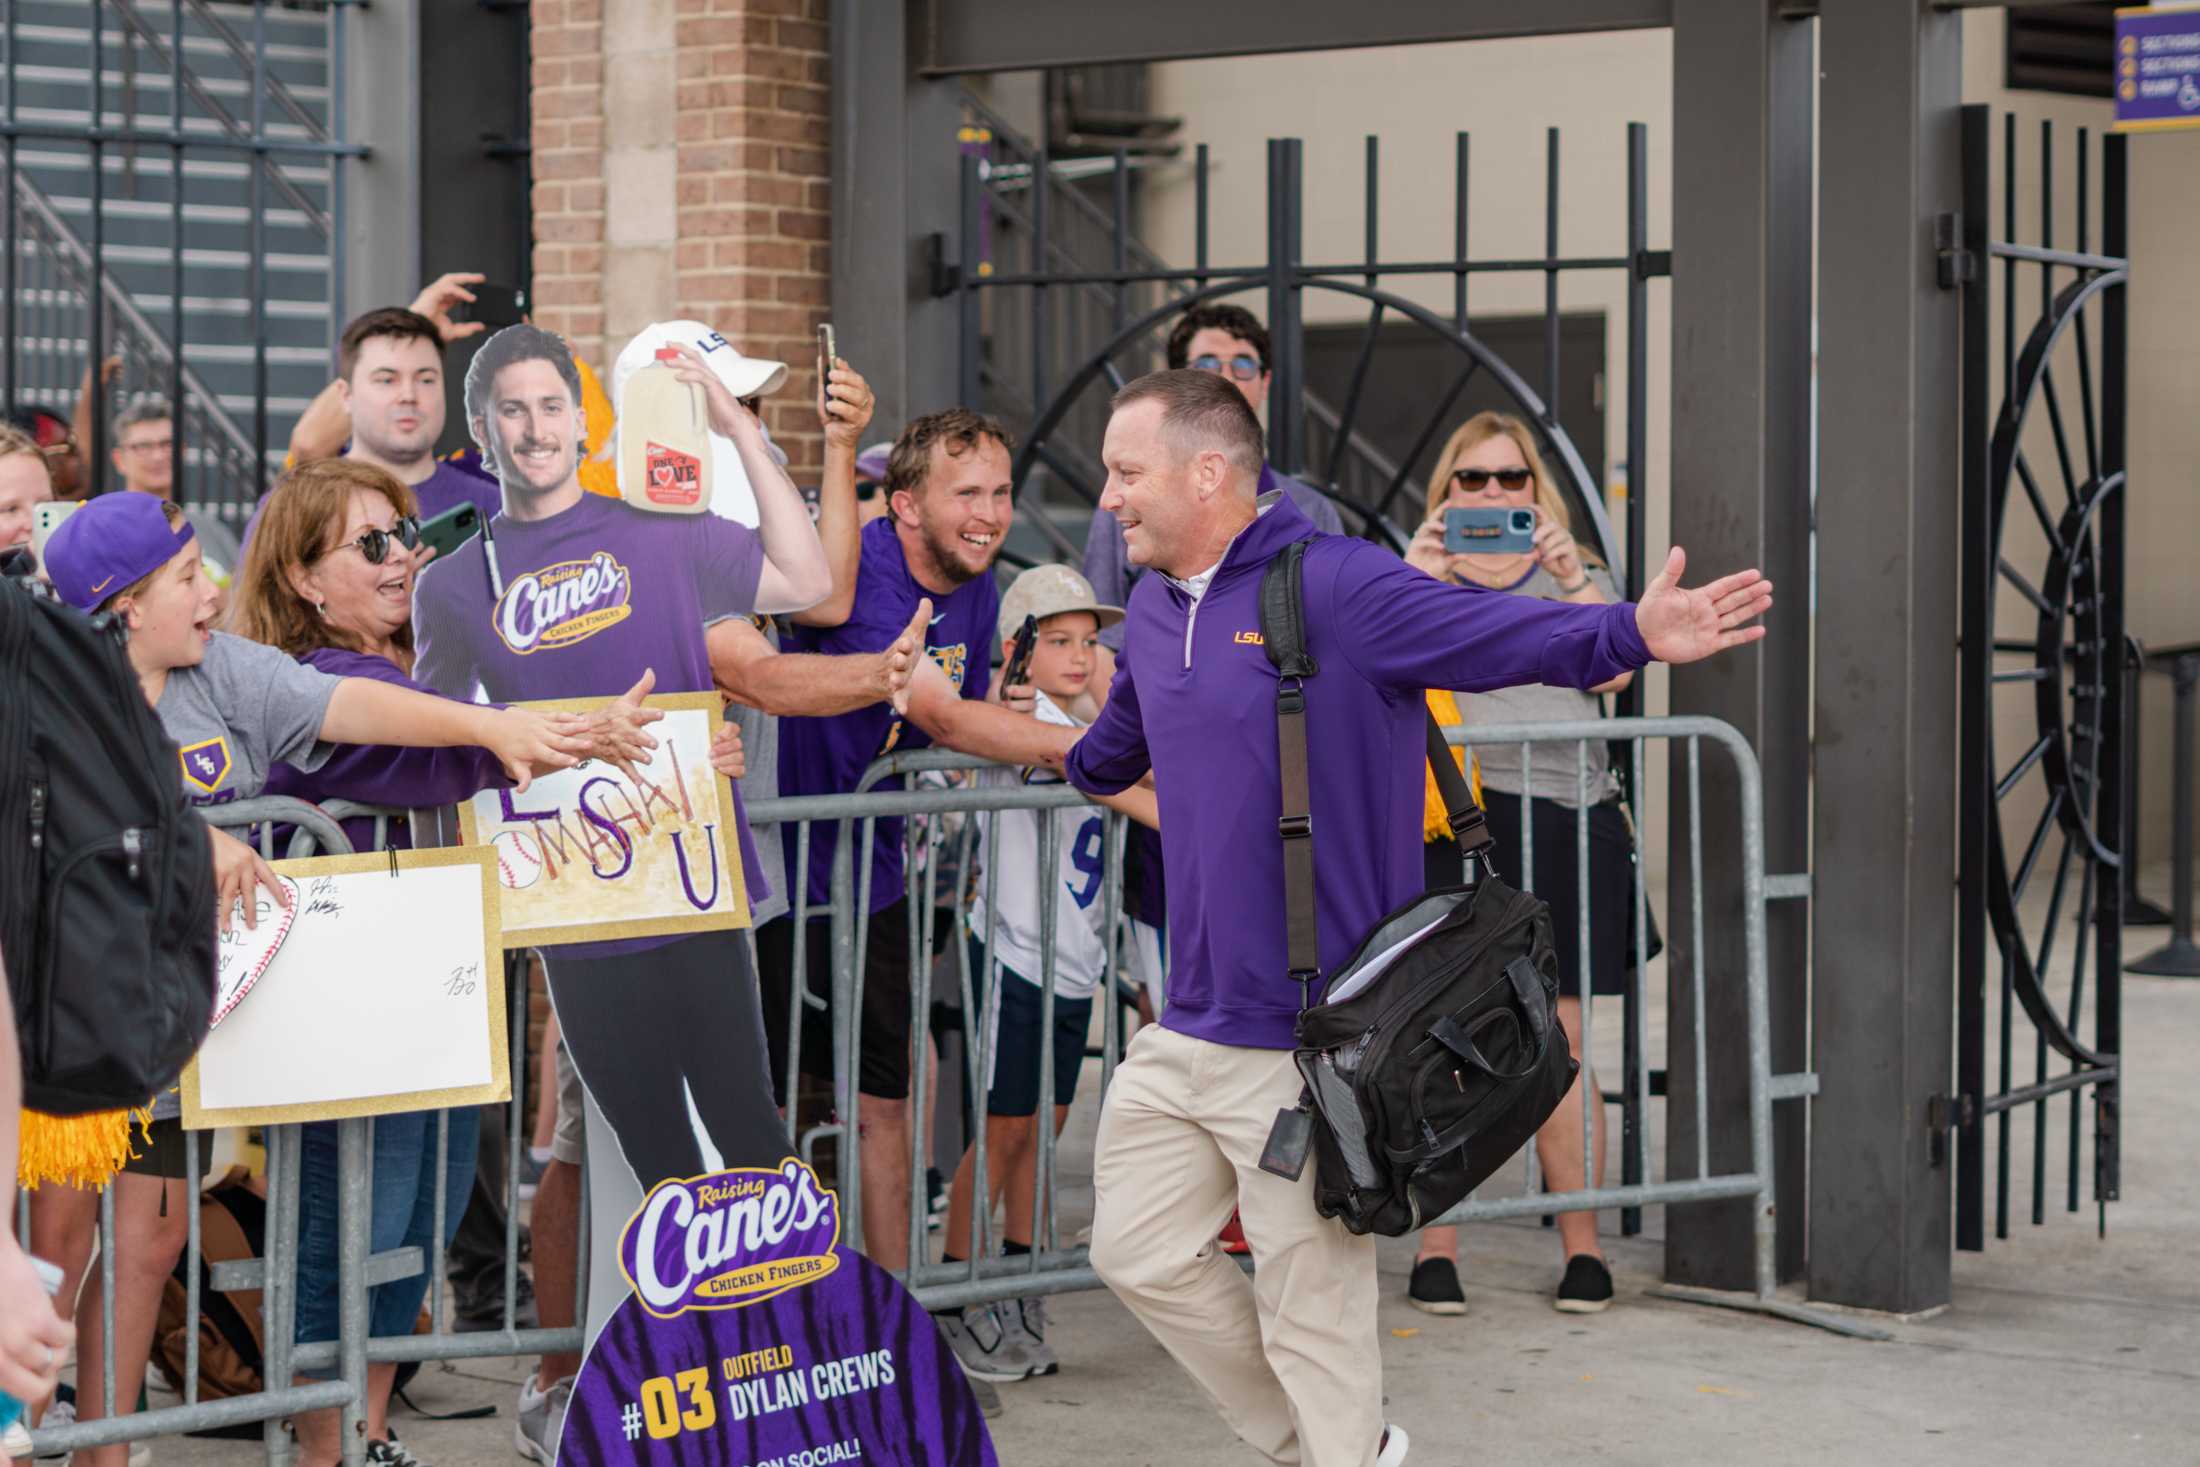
(564, 603)
(730, 1239)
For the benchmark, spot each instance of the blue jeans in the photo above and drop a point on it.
(402, 1216)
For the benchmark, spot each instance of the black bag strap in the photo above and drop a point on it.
(1283, 636)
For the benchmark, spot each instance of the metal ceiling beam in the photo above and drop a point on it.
(1015, 35)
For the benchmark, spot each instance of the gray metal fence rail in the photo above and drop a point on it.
(315, 831)
(984, 1275)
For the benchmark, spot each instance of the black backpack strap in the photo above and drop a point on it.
(1469, 826)
(1283, 634)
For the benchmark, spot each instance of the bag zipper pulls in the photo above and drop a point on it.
(38, 815)
(133, 850)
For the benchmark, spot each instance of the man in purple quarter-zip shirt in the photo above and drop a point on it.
(1290, 1357)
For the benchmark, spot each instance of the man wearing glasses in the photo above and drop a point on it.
(144, 458)
(1230, 342)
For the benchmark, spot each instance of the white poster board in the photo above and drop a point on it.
(382, 990)
(587, 854)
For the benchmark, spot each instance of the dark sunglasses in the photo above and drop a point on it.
(375, 544)
(1473, 479)
(1244, 368)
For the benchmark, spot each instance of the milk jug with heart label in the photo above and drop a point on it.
(664, 441)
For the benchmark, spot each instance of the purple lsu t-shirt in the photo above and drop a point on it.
(827, 756)
(592, 596)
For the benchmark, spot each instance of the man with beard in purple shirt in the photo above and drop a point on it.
(948, 488)
(1291, 1357)
(568, 594)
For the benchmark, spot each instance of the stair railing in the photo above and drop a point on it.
(54, 281)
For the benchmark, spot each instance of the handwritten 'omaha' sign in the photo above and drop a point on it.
(589, 855)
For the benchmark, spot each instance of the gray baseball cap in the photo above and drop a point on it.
(1049, 590)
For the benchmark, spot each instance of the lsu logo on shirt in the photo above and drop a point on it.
(1251, 639)
(952, 660)
(564, 603)
(205, 764)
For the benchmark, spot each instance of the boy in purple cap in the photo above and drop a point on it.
(233, 708)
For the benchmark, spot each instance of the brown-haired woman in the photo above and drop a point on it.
(1491, 462)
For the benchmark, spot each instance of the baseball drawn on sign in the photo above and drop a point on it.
(242, 954)
(595, 853)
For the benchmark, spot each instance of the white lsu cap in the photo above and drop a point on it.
(731, 495)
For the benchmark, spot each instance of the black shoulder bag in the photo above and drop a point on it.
(1436, 1053)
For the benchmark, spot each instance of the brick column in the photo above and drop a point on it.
(681, 165)
(754, 253)
(568, 137)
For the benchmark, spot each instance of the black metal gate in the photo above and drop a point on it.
(1025, 286)
(2043, 816)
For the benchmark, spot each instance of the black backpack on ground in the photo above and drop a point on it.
(1440, 1067)
(106, 872)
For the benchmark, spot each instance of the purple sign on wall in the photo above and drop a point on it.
(752, 1339)
(2157, 68)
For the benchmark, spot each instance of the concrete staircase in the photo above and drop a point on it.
(148, 247)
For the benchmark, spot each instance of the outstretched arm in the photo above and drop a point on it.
(812, 684)
(987, 730)
(363, 711)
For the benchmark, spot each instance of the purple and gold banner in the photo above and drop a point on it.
(753, 1339)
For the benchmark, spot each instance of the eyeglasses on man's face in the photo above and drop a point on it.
(148, 447)
(1242, 367)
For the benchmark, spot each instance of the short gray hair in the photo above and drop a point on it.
(1201, 411)
(139, 411)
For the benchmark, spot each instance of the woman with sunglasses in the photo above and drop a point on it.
(329, 579)
(1491, 463)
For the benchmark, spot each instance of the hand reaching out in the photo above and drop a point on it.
(617, 729)
(526, 743)
(1680, 625)
(238, 874)
(440, 296)
(898, 663)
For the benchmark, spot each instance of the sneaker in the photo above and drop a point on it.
(984, 1346)
(391, 1453)
(1233, 1237)
(1435, 1287)
(1026, 1320)
(1393, 1449)
(539, 1420)
(1587, 1287)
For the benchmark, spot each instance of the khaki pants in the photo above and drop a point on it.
(1290, 1357)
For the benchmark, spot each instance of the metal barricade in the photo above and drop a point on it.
(1051, 1268)
(316, 830)
(982, 1275)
